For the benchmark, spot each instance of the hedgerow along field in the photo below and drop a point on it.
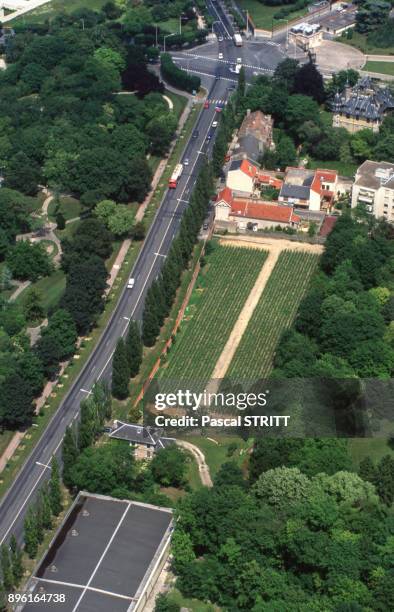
(273, 314)
(216, 302)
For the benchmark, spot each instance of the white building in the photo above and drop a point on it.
(374, 188)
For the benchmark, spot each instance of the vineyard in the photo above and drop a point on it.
(218, 297)
(274, 313)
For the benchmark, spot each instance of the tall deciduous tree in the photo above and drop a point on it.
(55, 493)
(134, 348)
(120, 371)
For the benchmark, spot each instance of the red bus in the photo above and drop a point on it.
(172, 183)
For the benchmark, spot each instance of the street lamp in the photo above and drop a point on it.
(167, 36)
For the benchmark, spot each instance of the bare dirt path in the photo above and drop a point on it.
(203, 468)
(274, 247)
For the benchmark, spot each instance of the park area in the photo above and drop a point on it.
(264, 16)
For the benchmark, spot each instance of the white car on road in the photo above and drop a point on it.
(130, 283)
(220, 55)
(214, 124)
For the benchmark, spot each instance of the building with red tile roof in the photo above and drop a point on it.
(251, 213)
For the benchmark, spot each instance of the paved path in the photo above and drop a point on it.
(21, 287)
(203, 469)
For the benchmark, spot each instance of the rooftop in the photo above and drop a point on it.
(245, 165)
(139, 434)
(372, 175)
(259, 125)
(258, 209)
(365, 100)
(102, 555)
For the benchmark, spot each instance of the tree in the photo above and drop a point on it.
(55, 493)
(309, 82)
(282, 486)
(161, 130)
(120, 371)
(229, 474)
(86, 429)
(371, 14)
(16, 560)
(31, 533)
(31, 369)
(163, 604)
(169, 467)
(83, 297)
(60, 221)
(285, 73)
(28, 260)
(122, 221)
(45, 508)
(134, 348)
(150, 320)
(104, 210)
(300, 109)
(367, 470)
(6, 567)
(33, 307)
(182, 550)
(16, 407)
(103, 469)
(385, 480)
(70, 454)
(23, 174)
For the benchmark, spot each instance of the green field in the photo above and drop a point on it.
(263, 16)
(342, 168)
(218, 297)
(68, 206)
(51, 289)
(273, 314)
(381, 67)
(360, 41)
(53, 8)
(215, 449)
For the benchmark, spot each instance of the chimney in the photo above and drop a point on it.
(248, 112)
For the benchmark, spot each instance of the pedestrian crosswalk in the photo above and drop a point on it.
(221, 102)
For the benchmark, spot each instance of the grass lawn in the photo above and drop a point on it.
(343, 168)
(263, 16)
(381, 67)
(360, 41)
(215, 449)
(68, 230)
(375, 448)
(220, 292)
(53, 8)
(194, 605)
(69, 207)
(178, 101)
(273, 314)
(51, 288)
(5, 439)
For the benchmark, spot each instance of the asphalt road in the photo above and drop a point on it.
(35, 471)
(257, 56)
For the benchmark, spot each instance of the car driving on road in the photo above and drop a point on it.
(130, 283)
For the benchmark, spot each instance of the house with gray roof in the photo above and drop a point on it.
(373, 189)
(362, 107)
(146, 440)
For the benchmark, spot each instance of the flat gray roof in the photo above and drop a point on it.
(102, 555)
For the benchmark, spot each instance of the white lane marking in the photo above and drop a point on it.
(44, 465)
(81, 586)
(101, 558)
(161, 254)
